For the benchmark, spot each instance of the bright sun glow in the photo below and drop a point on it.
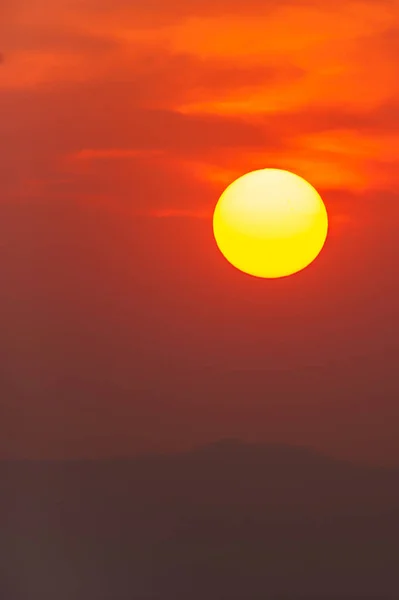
(270, 223)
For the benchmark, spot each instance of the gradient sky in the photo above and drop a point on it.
(123, 329)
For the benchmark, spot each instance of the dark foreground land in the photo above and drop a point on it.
(226, 522)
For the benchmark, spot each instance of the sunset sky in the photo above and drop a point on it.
(124, 330)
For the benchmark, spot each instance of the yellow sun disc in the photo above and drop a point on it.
(270, 223)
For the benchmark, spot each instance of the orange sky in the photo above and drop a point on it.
(115, 111)
(208, 91)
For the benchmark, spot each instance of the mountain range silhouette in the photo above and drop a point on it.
(229, 520)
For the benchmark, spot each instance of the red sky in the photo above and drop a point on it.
(123, 328)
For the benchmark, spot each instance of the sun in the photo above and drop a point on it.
(270, 223)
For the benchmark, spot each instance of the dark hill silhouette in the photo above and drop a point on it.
(226, 521)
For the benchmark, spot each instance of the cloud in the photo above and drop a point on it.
(59, 134)
(93, 143)
(381, 119)
(159, 13)
(170, 79)
(95, 105)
